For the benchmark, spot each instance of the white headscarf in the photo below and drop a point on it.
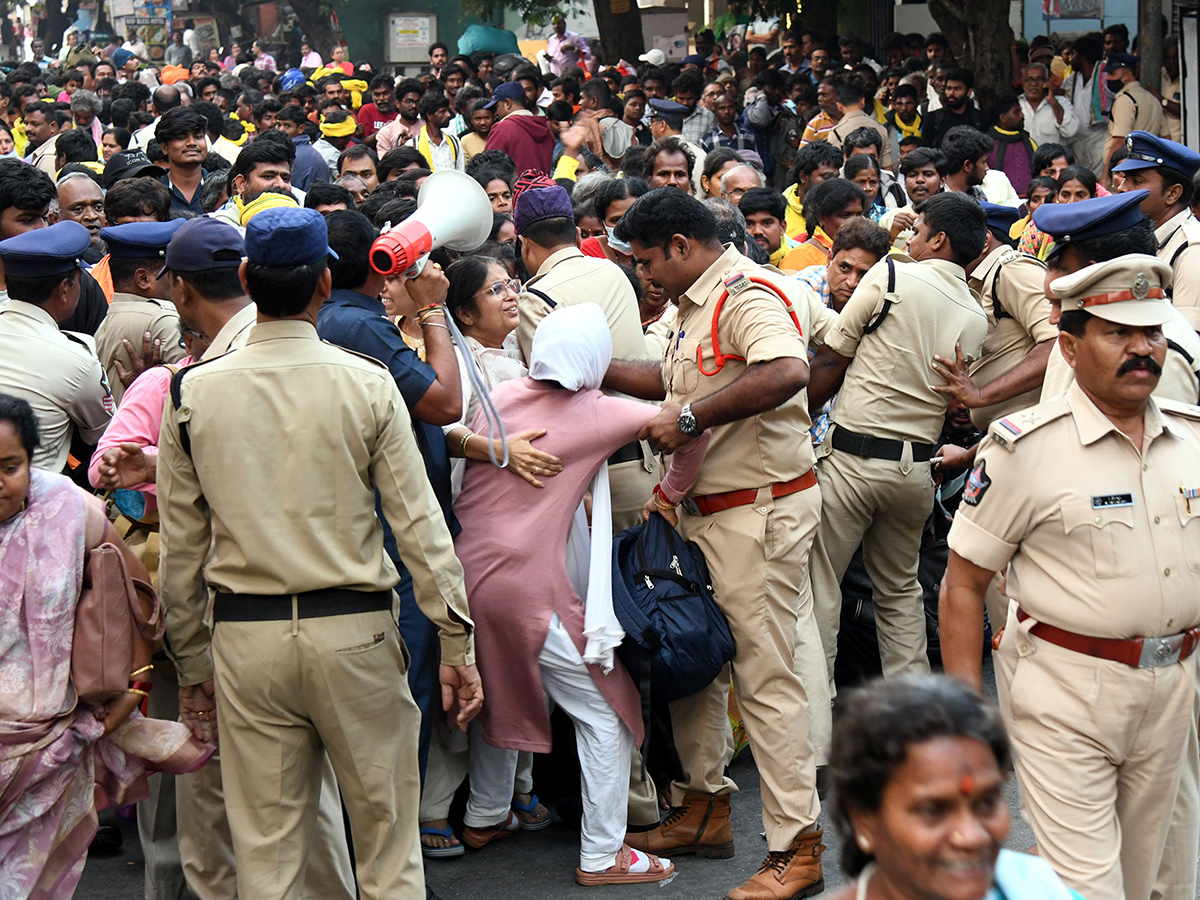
(573, 346)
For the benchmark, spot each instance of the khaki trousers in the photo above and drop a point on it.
(1176, 878)
(757, 556)
(629, 486)
(876, 503)
(287, 689)
(185, 834)
(1099, 749)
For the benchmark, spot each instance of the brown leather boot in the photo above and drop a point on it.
(700, 826)
(788, 874)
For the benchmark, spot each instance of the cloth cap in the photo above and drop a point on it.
(693, 59)
(655, 57)
(668, 110)
(1002, 218)
(1128, 290)
(45, 251)
(199, 243)
(121, 56)
(1115, 61)
(531, 178)
(291, 78)
(509, 90)
(1066, 222)
(1148, 151)
(263, 202)
(574, 350)
(287, 236)
(130, 164)
(537, 204)
(140, 240)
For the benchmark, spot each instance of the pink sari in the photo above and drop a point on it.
(57, 768)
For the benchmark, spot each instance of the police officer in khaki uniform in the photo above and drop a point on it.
(1097, 230)
(304, 646)
(1096, 670)
(56, 371)
(753, 512)
(1133, 107)
(141, 300)
(875, 468)
(545, 224)
(1008, 375)
(1165, 169)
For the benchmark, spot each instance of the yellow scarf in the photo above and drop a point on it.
(913, 130)
(340, 129)
(793, 222)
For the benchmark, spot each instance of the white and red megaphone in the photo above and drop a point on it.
(453, 211)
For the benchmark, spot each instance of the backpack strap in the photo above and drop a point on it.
(887, 301)
(998, 310)
(185, 440)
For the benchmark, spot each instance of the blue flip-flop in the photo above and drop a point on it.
(441, 852)
(530, 809)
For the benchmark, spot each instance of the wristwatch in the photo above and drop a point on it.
(687, 421)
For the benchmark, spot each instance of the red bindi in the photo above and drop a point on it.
(967, 785)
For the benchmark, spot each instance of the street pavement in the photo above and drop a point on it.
(541, 865)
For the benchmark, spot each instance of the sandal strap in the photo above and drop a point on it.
(446, 832)
(530, 807)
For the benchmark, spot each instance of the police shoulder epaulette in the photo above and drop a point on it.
(1010, 429)
(1175, 408)
(83, 340)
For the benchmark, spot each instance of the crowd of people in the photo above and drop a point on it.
(809, 307)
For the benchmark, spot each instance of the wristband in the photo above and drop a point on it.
(660, 499)
(462, 447)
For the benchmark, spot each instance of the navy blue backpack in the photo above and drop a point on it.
(676, 638)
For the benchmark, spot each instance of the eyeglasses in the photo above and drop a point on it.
(499, 289)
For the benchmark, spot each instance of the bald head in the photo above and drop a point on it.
(166, 98)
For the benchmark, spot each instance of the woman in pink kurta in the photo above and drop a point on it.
(513, 548)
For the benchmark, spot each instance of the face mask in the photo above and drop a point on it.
(1114, 85)
(617, 244)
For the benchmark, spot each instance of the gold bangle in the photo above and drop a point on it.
(138, 692)
(661, 502)
(143, 670)
(462, 446)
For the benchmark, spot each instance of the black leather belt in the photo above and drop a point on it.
(878, 448)
(631, 452)
(310, 605)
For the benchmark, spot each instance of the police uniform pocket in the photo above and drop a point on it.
(1099, 541)
(1189, 520)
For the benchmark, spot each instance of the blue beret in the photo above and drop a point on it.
(286, 236)
(45, 251)
(1149, 151)
(1002, 218)
(536, 204)
(140, 240)
(667, 109)
(1114, 61)
(1066, 222)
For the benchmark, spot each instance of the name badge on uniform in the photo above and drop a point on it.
(1109, 501)
(736, 283)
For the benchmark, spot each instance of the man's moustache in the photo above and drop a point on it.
(1140, 362)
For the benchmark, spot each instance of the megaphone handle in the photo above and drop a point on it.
(417, 268)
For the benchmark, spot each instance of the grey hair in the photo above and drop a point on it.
(1036, 65)
(762, 179)
(70, 176)
(82, 99)
(587, 187)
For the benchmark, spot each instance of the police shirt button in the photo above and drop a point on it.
(1157, 521)
(1166, 571)
(762, 509)
(1170, 623)
(1099, 520)
(1145, 468)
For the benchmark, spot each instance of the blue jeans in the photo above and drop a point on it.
(424, 650)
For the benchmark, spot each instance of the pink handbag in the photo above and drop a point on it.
(112, 604)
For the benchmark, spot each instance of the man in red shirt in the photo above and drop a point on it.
(374, 116)
(523, 135)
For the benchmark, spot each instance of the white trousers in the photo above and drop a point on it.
(604, 743)
(449, 760)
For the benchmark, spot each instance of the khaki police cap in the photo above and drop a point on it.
(1128, 290)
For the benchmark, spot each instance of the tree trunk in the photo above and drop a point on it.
(620, 33)
(980, 37)
(315, 24)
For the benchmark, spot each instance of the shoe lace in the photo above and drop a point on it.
(777, 860)
(676, 813)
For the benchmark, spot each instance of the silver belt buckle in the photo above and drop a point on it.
(690, 507)
(1160, 651)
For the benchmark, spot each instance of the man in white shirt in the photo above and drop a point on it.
(1047, 120)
